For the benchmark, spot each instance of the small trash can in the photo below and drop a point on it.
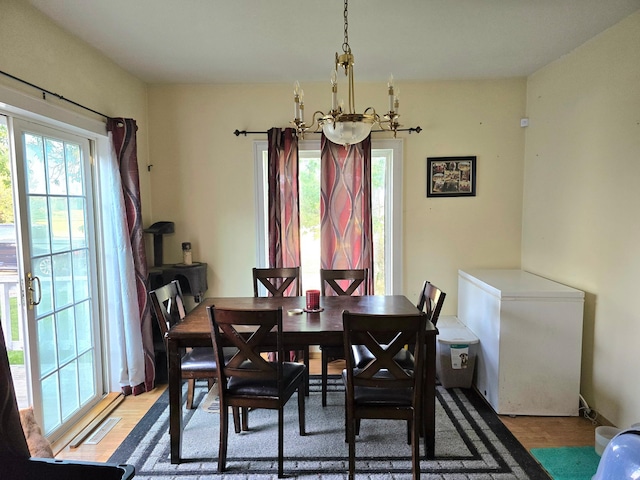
(456, 351)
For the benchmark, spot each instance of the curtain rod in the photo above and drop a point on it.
(418, 129)
(45, 92)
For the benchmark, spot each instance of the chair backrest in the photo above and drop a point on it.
(344, 282)
(384, 336)
(251, 332)
(168, 306)
(277, 281)
(431, 301)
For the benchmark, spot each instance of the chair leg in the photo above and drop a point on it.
(325, 360)
(306, 375)
(351, 437)
(301, 412)
(245, 419)
(280, 442)
(191, 384)
(224, 430)
(236, 418)
(415, 449)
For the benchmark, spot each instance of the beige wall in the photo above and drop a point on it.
(581, 199)
(203, 178)
(36, 50)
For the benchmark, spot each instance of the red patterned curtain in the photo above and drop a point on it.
(284, 205)
(346, 240)
(123, 133)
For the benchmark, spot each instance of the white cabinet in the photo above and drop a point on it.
(530, 332)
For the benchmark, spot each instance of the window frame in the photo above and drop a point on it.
(393, 207)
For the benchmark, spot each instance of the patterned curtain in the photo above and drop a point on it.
(123, 134)
(346, 240)
(284, 205)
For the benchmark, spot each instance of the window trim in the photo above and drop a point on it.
(393, 210)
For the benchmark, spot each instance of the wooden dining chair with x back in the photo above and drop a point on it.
(249, 380)
(197, 363)
(431, 301)
(339, 282)
(280, 282)
(383, 388)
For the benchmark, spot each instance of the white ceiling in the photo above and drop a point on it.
(255, 41)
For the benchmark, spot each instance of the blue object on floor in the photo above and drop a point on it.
(621, 458)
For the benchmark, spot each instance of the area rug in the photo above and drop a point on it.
(471, 443)
(568, 463)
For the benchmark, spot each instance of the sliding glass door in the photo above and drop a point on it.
(59, 281)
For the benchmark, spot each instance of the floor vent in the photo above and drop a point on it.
(102, 431)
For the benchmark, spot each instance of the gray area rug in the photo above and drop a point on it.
(471, 443)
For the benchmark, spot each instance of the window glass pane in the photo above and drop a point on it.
(42, 270)
(66, 338)
(69, 389)
(46, 345)
(78, 227)
(378, 207)
(309, 188)
(56, 170)
(85, 370)
(80, 275)
(74, 168)
(39, 218)
(63, 286)
(83, 326)
(51, 403)
(60, 236)
(34, 152)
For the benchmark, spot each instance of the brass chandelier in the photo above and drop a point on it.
(340, 126)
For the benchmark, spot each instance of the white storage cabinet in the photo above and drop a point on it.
(530, 332)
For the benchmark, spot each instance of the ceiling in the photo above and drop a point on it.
(260, 41)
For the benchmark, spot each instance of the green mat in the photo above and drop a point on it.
(568, 463)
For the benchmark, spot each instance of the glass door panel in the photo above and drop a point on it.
(60, 270)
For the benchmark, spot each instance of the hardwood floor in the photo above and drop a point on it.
(532, 432)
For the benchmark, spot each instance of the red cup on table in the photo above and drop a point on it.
(313, 299)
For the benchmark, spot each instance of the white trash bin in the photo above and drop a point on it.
(456, 351)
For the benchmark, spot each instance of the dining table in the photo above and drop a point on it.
(299, 329)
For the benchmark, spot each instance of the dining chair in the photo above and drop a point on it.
(248, 379)
(431, 301)
(280, 282)
(197, 362)
(277, 281)
(383, 388)
(339, 282)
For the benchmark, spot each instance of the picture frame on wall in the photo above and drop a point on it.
(451, 176)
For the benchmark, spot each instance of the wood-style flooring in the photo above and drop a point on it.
(532, 432)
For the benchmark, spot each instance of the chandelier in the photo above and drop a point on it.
(345, 127)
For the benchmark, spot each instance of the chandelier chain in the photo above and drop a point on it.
(345, 46)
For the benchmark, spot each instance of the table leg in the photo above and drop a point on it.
(175, 401)
(429, 413)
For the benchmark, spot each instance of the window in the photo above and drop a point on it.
(386, 203)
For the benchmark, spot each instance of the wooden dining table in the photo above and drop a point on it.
(306, 329)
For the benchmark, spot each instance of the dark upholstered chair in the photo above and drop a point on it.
(248, 379)
(281, 282)
(197, 363)
(15, 459)
(339, 282)
(383, 388)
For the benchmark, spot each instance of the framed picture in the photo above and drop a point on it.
(451, 176)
